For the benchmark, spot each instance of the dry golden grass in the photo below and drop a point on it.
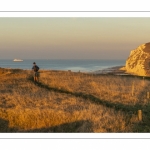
(70, 102)
(107, 87)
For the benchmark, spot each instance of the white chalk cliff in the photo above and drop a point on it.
(138, 62)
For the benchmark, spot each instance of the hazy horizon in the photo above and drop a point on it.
(71, 37)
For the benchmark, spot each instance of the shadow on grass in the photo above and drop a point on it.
(143, 126)
(93, 99)
(4, 126)
(82, 126)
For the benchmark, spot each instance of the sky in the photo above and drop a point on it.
(72, 37)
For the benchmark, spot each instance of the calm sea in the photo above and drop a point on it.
(73, 65)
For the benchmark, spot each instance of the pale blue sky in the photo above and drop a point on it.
(72, 38)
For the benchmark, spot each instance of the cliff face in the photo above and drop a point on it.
(139, 61)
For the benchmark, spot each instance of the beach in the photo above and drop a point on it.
(117, 70)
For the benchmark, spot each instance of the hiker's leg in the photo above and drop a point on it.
(37, 79)
(34, 78)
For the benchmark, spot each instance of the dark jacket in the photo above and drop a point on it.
(35, 68)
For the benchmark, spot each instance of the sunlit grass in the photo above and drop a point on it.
(70, 102)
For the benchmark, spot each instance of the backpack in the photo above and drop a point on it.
(36, 68)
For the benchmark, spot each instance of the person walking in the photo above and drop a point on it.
(35, 68)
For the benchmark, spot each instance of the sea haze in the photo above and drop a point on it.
(73, 65)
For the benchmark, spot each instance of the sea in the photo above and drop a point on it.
(71, 64)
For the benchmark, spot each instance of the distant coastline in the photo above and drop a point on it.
(73, 65)
(117, 70)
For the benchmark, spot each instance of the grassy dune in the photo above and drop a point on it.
(72, 102)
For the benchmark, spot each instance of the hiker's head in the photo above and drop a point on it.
(34, 63)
